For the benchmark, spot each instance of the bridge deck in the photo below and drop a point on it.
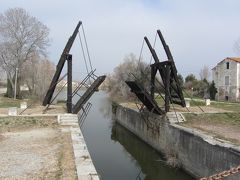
(88, 93)
(145, 97)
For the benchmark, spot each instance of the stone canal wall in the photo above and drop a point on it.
(83, 161)
(199, 154)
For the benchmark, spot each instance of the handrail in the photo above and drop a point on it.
(83, 82)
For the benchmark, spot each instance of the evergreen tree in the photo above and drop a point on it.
(180, 79)
(212, 90)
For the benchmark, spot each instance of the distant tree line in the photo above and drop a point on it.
(133, 69)
(200, 88)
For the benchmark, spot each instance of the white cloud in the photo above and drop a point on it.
(198, 32)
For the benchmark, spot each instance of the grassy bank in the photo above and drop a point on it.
(224, 126)
(214, 118)
(9, 102)
(20, 122)
(235, 107)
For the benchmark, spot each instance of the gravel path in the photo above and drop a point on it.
(29, 154)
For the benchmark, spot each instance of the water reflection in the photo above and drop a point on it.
(106, 107)
(151, 162)
(118, 154)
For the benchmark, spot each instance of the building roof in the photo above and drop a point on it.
(236, 59)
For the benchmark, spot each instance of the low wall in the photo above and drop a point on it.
(198, 153)
(83, 161)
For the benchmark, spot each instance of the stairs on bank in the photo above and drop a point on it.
(175, 117)
(68, 120)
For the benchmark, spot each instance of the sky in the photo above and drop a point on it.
(198, 32)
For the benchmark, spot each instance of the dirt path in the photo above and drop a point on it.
(36, 154)
(218, 130)
(231, 133)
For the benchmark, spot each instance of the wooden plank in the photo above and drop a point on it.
(145, 97)
(60, 65)
(88, 93)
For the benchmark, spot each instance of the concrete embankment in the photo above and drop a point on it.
(198, 153)
(84, 164)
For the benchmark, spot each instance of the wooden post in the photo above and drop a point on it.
(167, 89)
(153, 75)
(69, 83)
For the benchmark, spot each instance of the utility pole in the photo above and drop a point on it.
(15, 85)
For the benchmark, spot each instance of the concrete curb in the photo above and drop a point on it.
(83, 162)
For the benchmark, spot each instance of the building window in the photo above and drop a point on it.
(227, 81)
(227, 64)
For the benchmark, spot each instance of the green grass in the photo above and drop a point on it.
(61, 101)
(7, 123)
(159, 100)
(6, 102)
(214, 118)
(9, 102)
(227, 106)
(193, 103)
(197, 103)
(235, 107)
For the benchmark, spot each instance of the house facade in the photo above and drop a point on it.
(226, 75)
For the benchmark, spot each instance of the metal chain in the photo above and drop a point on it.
(223, 174)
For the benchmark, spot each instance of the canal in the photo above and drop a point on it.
(117, 153)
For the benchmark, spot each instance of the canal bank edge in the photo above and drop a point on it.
(196, 152)
(83, 162)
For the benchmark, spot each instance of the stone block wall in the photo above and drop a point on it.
(199, 154)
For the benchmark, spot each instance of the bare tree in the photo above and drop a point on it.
(204, 73)
(45, 72)
(21, 37)
(2, 77)
(29, 73)
(115, 83)
(37, 75)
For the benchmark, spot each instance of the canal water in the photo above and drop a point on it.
(117, 153)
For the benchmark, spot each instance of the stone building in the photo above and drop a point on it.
(226, 75)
